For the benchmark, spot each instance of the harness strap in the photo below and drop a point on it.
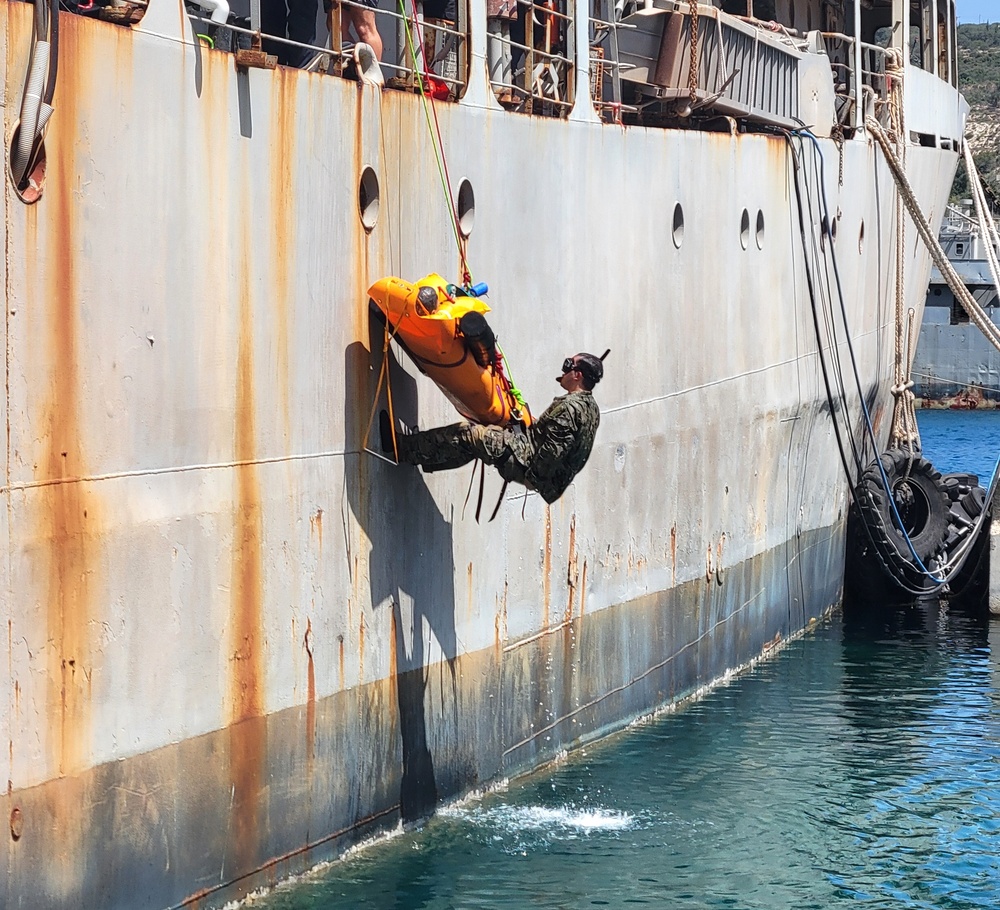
(482, 483)
(496, 508)
(383, 376)
(468, 492)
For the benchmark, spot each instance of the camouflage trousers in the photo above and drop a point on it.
(449, 447)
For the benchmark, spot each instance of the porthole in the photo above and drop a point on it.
(745, 229)
(368, 198)
(760, 229)
(465, 208)
(677, 229)
(833, 228)
(30, 190)
(861, 239)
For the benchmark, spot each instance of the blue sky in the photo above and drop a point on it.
(978, 10)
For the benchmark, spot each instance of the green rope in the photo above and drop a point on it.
(515, 392)
(438, 152)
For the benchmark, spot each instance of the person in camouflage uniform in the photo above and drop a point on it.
(545, 457)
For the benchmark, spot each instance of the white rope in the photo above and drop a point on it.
(987, 227)
(903, 431)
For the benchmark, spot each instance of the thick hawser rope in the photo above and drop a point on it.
(904, 432)
(987, 226)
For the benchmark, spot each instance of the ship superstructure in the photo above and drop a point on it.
(239, 642)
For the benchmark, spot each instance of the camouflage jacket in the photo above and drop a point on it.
(560, 442)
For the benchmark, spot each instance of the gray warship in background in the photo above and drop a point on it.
(237, 640)
(955, 365)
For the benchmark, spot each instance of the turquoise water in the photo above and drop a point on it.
(859, 767)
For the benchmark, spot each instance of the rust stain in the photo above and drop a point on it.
(246, 611)
(583, 588)
(310, 700)
(283, 194)
(572, 570)
(340, 659)
(500, 626)
(359, 303)
(393, 664)
(361, 649)
(247, 731)
(547, 567)
(316, 527)
(68, 518)
(469, 591)
(673, 556)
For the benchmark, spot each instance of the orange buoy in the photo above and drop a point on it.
(446, 335)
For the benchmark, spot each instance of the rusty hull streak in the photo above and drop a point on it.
(316, 527)
(282, 191)
(247, 601)
(572, 570)
(68, 523)
(673, 556)
(361, 649)
(246, 663)
(547, 567)
(310, 702)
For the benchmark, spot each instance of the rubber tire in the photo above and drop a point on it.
(974, 502)
(957, 485)
(927, 540)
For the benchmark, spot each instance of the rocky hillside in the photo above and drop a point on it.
(979, 75)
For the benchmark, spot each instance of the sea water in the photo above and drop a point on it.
(858, 767)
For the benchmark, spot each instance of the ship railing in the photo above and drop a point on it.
(544, 79)
(543, 83)
(874, 83)
(605, 66)
(445, 44)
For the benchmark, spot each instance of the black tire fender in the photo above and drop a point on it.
(920, 497)
(957, 485)
(974, 502)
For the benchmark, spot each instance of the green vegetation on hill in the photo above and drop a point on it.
(979, 78)
(979, 64)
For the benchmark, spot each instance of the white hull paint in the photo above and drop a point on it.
(237, 642)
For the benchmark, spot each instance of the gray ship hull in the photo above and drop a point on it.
(237, 641)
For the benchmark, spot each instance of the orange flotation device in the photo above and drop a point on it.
(443, 330)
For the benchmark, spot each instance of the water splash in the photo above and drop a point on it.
(557, 822)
